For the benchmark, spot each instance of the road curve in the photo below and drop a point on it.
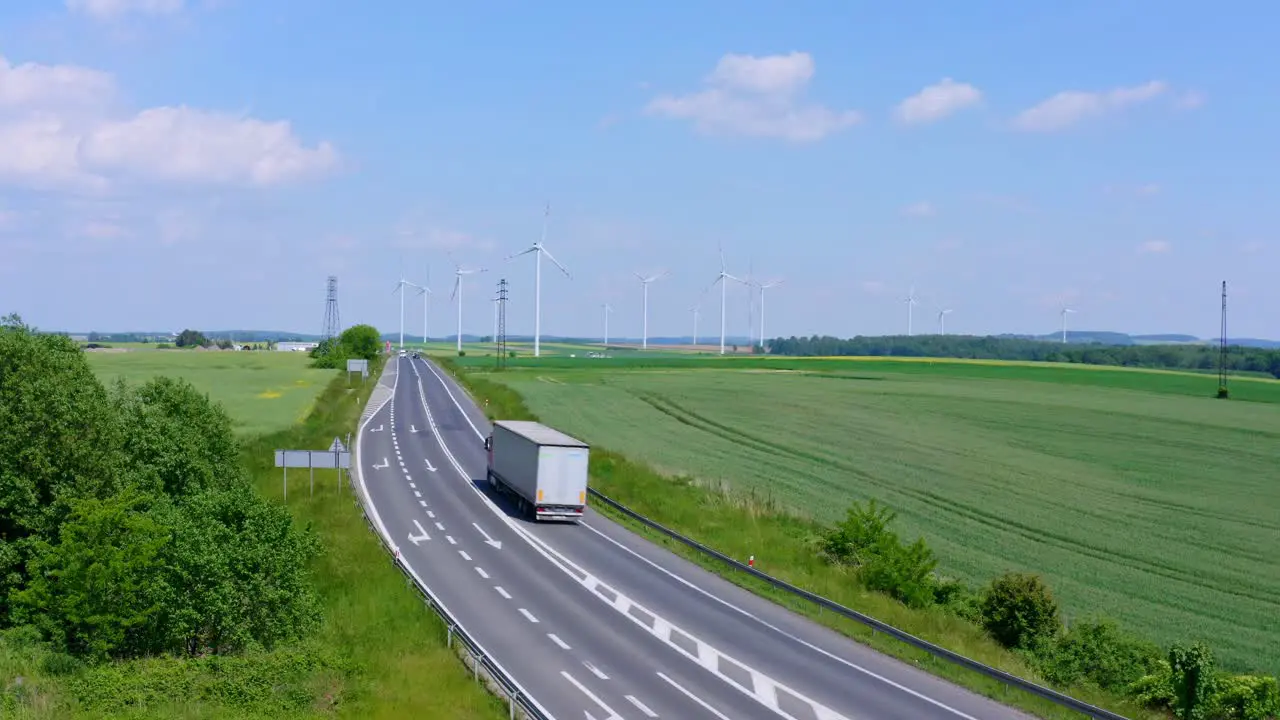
(593, 621)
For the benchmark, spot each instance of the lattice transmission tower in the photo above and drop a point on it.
(332, 325)
(501, 338)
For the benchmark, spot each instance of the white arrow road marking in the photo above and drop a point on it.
(383, 466)
(413, 429)
(380, 428)
(610, 714)
(595, 670)
(416, 539)
(497, 544)
(430, 466)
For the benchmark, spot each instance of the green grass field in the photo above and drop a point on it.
(262, 391)
(1135, 493)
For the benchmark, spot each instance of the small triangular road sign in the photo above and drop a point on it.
(337, 446)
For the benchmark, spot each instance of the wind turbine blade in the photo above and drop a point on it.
(522, 252)
(641, 277)
(457, 280)
(662, 274)
(553, 259)
(394, 289)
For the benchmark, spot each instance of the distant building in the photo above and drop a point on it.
(296, 346)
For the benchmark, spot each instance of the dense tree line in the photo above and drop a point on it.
(358, 342)
(1019, 611)
(128, 526)
(1173, 357)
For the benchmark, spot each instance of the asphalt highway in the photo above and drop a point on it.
(593, 621)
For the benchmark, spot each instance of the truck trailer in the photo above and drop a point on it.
(545, 469)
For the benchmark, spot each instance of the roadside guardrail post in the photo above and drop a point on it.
(449, 642)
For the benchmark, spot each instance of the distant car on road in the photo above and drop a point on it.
(401, 353)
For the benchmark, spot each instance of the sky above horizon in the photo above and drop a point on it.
(207, 163)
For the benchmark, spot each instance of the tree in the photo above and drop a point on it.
(99, 590)
(177, 441)
(1192, 679)
(191, 338)
(59, 440)
(1019, 610)
(361, 342)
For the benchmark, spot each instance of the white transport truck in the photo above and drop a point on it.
(545, 469)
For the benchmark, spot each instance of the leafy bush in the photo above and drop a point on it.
(358, 342)
(1100, 653)
(1192, 680)
(1246, 697)
(1019, 610)
(863, 540)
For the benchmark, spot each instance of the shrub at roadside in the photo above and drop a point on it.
(883, 563)
(358, 342)
(1019, 611)
(128, 526)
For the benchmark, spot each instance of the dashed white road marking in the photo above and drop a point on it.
(528, 615)
(482, 573)
(464, 555)
(641, 706)
(417, 494)
(502, 592)
(595, 670)
(450, 539)
(412, 486)
(439, 525)
(555, 639)
(430, 514)
(693, 697)
(423, 503)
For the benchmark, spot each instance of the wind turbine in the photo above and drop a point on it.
(399, 288)
(942, 319)
(911, 304)
(763, 287)
(537, 280)
(721, 279)
(607, 309)
(644, 281)
(458, 272)
(695, 310)
(1065, 310)
(425, 292)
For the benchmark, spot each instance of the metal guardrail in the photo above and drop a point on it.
(480, 661)
(936, 650)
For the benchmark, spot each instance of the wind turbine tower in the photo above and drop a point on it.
(644, 282)
(399, 288)
(425, 292)
(763, 287)
(911, 305)
(695, 310)
(540, 250)
(607, 309)
(1065, 310)
(721, 278)
(942, 320)
(458, 273)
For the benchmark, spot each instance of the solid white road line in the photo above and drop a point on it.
(528, 615)
(643, 709)
(482, 573)
(611, 714)
(555, 639)
(502, 592)
(693, 697)
(595, 670)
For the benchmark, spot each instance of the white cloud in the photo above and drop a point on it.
(1154, 246)
(104, 9)
(59, 128)
(757, 97)
(920, 209)
(935, 102)
(1072, 106)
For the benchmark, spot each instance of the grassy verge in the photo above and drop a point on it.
(738, 524)
(380, 653)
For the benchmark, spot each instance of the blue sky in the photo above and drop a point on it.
(206, 163)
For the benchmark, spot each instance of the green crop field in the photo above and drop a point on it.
(1135, 493)
(262, 391)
